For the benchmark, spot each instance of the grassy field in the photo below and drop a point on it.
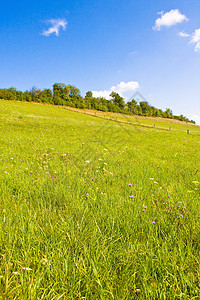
(96, 209)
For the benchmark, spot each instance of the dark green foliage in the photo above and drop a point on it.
(69, 95)
(118, 100)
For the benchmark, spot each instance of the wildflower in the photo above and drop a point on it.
(87, 194)
(181, 216)
(131, 196)
(98, 179)
(144, 210)
(130, 184)
(87, 161)
(43, 261)
(145, 207)
(167, 196)
(153, 222)
(27, 269)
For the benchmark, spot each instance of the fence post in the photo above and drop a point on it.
(188, 131)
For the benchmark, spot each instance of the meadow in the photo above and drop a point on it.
(96, 209)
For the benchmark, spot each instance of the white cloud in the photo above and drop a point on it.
(196, 39)
(125, 87)
(120, 88)
(57, 25)
(183, 34)
(133, 53)
(195, 118)
(169, 19)
(104, 94)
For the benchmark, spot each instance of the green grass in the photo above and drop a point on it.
(102, 245)
(157, 123)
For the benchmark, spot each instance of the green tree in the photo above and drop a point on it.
(35, 94)
(132, 107)
(118, 100)
(46, 96)
(169, 113)
(27, 96)
(89, 95)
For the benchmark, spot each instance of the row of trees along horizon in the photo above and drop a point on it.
(69, 95)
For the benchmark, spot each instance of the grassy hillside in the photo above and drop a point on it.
(95, 209)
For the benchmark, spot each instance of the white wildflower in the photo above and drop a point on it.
(43, 261)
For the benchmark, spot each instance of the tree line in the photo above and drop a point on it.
(69, 95)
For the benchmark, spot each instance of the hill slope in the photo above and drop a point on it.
(96, 209)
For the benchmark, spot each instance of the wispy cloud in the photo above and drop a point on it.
(183, 34)
(169, 19)
(56, 26)
(120, 88)
(133, 53)
(196, 40)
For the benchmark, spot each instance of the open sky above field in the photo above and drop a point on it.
(150, 47)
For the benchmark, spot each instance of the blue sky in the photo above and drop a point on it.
(152, 47)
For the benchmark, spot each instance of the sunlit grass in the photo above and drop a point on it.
(69, 228)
